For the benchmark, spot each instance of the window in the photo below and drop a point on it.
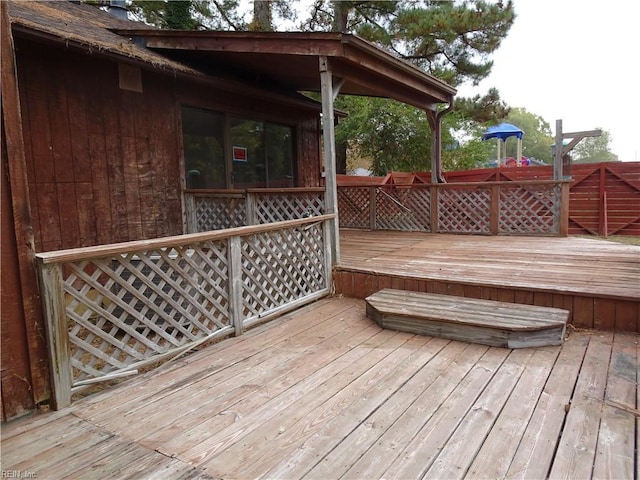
(203, 139)
(258, 154)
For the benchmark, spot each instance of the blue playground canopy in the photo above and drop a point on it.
(502, 131)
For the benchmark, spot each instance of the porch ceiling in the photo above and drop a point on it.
(290, 60)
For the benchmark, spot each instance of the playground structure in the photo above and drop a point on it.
(501, 133)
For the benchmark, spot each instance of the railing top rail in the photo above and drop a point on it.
(239, 192)
(87, 253)
(458, 184)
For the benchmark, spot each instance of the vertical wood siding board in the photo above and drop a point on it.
(49, 216)
(86, 214)
(132, 213)
(78, 118)
(38, 120)
(68, 215)
(59, 126)
(604, 313)
(101, 206)
(627, 316)
(583, 312)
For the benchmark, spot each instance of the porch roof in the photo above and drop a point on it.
(291, 60)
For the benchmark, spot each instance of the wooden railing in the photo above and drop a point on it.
(112, 309)
(490, 208)
(219, 209)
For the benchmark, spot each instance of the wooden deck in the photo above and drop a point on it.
(324, 393)
(597, 281)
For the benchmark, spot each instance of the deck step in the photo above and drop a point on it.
(498, 324)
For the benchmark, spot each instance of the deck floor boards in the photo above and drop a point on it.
(575, 264)
(324, 393)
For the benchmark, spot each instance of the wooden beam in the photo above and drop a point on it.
(17, 172)
(577, 136)
(328, 130)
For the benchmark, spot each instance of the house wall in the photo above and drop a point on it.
(103, 166)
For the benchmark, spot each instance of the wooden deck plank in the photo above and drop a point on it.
(223, 381)
(455, 458)
(418, 455)
(277, 437)
(615, 455)
(326, 393)
(336, 375)
(498, 450)
(362, 458)
(576, 450)
(571, 265)
(535, 453)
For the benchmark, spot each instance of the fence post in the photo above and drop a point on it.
(494, 218)
(53, 303)
(191, 222)
(372, 207)
(433, 203)
(251, 202)
(234, 256)
(564, 209)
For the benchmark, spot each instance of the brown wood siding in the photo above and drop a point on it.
(102, 162)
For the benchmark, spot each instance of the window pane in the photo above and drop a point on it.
(249, 163)
(203, 138)
(279, 140)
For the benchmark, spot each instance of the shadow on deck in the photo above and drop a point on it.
(597, 281)
(325, 393)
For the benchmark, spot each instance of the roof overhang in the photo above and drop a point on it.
(291, 60)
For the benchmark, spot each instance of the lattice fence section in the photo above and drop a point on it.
(464, 210)
(529, 210)
(124, 310)
(277, 207)
(217, 213)
(280, 267)
(354, 205)
(403, 208)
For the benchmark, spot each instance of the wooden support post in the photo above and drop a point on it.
(372, 207)
(494, 218)
(328, 130)
(191, 221)
(51, 285)
(328, 262)
(250, 205)
(557, 157)
(433, 202)
(235, 287)
(21, 208)
(564, 209)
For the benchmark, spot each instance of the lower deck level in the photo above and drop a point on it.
(597, 281)
(325, 393)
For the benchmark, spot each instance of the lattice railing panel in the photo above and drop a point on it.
(270, 207)
(354, 204)
(525, 210)
(280, 267)
(128, 308)
(404, 208)
(464, 210)
(218, 213)
(112, 309)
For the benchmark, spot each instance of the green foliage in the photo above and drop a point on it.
(537, 138)
(396, 136)
(594, 149)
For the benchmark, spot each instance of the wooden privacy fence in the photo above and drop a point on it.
(604, 198)
(219, 209)
(491, 208)
(112, 309)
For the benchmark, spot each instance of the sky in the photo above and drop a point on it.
(577, 61)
